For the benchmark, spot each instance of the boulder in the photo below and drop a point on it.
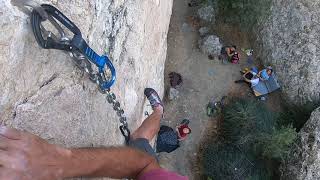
(186, 28)
(289, 40)
(204, 31)
(207, 13)
(173, 93)
(304, 162)
(210, 45)
(42, 90)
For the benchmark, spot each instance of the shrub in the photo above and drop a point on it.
(227, 162)
(277, 145)
(244, 13)
(296, 115)
(251, 144)
(245, 120)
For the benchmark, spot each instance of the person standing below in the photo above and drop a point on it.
(230, 54)
(25, 156)
(183, 130)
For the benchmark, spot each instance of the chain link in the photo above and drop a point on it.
(85, 66)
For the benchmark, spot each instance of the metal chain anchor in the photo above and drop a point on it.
(112, 99)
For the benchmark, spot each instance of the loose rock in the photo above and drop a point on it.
(204, 31)
(173, 94)
(186, 27)
(207, 13)
(210, 45)
(304, 162)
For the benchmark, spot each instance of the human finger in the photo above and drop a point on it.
(10, 133)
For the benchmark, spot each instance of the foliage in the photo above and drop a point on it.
(227, 162)
(250, 135)
(246, 122)
(296, 115)
(250, 125)
(245, 13)
(277, 145)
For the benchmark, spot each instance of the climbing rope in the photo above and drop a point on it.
(99, 68)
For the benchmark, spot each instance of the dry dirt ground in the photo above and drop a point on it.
(203, 79)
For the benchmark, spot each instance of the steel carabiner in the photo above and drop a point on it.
(48, 40)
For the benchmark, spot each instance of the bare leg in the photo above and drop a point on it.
(150, 126)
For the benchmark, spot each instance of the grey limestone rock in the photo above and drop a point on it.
(210, 45)
(207, 13)
(42, 91)
(204, 31)
(173, 93)
(186, 28)
(289, 40)
(304, 162)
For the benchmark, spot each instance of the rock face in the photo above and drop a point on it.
(304, 163)
(289, 40)
(42, 91)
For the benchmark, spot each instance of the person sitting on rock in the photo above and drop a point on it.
(265, 73)
(227, 52)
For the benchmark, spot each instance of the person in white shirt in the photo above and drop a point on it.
(250, 77)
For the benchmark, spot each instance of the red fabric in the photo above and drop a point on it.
(161, 174)
(180, 129)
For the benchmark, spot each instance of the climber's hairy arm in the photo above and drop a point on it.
(26, 156)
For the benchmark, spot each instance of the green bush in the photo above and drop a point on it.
(277, 145)
(246, 13)
(245, 121)
(250, 125)
(227, 162)
(296, 115)
(251, 141)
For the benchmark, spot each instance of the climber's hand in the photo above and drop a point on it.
(25, 156)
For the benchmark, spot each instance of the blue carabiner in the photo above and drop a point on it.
(107, 84)
(100, 61)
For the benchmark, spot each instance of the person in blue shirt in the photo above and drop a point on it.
(265, 73)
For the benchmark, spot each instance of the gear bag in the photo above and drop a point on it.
(167, 140)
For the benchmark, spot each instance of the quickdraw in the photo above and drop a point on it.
(77, 45)
(103, 74)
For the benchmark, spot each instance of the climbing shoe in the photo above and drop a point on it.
(153, 97)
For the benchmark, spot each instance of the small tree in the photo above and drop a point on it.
(296, 115)
(223, 161)
(245, 120)
(250, 144)
(277, 145)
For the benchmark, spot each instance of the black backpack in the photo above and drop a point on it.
(167, 140)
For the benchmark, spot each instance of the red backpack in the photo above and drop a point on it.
(235, 58)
